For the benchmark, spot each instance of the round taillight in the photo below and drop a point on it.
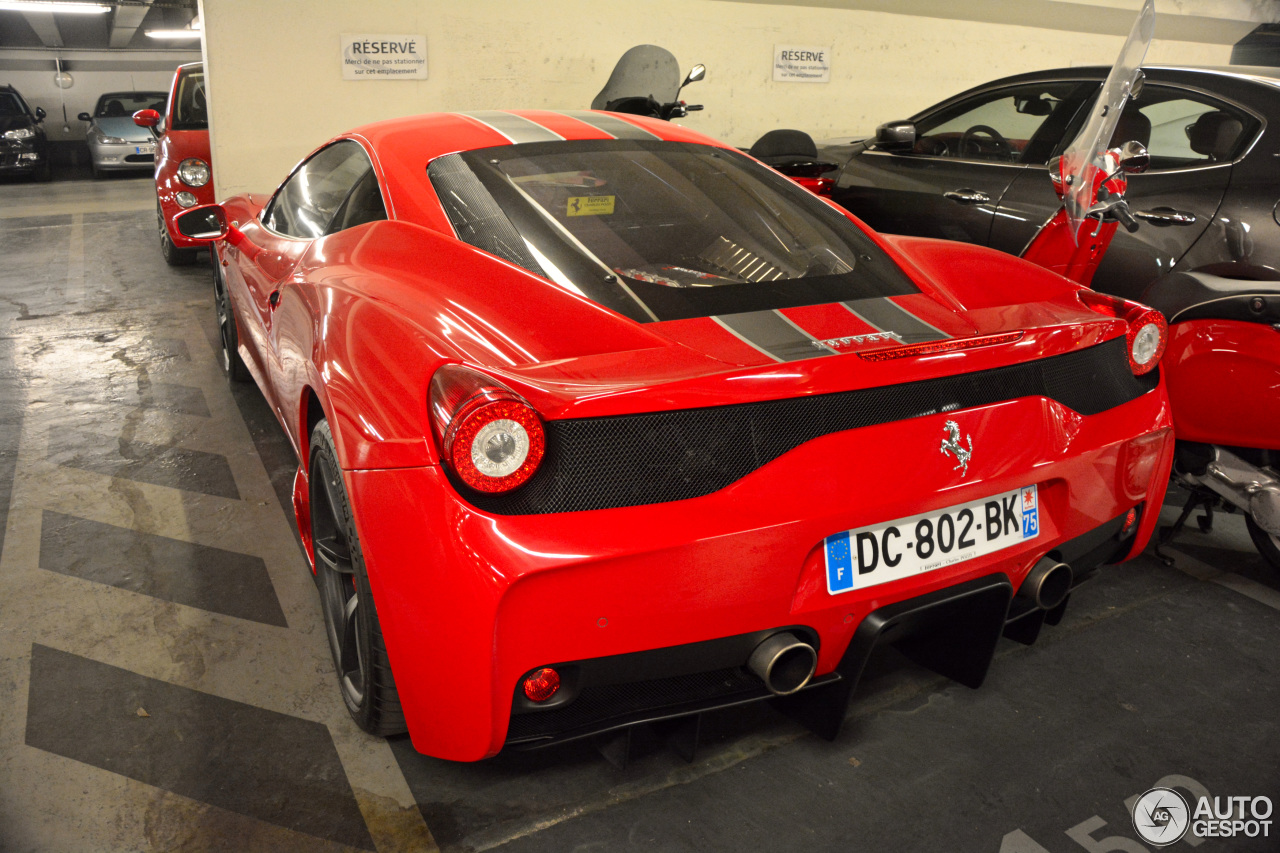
(491, 438)
(1148, 333)
(542, 684)
(496, 445)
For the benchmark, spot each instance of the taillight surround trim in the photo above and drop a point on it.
(481, 425)
(1141, 322)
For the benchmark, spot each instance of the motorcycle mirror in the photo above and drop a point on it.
(696, 73)
(1134, 157)
(896, 136)
(1136, 89)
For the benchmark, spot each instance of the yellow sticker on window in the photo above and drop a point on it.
(591, 205)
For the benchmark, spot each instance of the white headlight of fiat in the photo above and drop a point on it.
(193, 172)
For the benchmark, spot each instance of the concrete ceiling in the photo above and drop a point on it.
(122, 28)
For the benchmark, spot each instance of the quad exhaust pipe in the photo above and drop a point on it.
(1047, 583)
(1246, 486)
(783, 662)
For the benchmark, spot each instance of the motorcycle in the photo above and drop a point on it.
(650, 69)
(1222, 351)
(647, 68)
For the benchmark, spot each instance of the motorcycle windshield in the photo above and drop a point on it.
(645, 70)
(1085, 155)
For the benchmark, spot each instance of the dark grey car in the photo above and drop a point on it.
(973, 168)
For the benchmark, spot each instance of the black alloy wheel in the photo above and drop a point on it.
(351, 622)
(228, 334)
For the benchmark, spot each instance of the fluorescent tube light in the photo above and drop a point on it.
(60, 8)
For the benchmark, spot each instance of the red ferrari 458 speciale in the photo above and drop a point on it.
(602, 422)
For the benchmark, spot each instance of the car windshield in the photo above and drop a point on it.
(10, 106)
(661, 230)
(122, 104)
(192, 108)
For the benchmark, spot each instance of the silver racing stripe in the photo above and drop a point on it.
(516, 128)
(888, 316)
(615, 127)
(773, 334)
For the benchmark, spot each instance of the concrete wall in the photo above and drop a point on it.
(277, 91)
(92, 73)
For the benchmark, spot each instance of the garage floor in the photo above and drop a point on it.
(165, 683)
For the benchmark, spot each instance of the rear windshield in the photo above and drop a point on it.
(661, 230)
(120, 104)
(191, 108)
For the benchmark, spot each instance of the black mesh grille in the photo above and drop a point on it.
(628, 460)
(598, 707)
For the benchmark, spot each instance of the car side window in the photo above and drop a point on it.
(310, 199)
(1014, 125)
(1182, 128)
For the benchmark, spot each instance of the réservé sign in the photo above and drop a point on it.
(801, 64)
(384, 57)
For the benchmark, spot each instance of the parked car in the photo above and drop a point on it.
(115, 142)
(973, 168)
(184, 170)
(24, 148)
(601, 421)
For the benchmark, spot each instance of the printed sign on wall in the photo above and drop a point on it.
(800, 64)
(384, 57)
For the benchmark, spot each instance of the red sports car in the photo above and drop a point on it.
(184, 176)
(601, 421)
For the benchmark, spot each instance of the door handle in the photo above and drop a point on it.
(1166, 216)
(274, 299)
(967, 196)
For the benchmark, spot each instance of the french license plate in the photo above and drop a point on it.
(145, 149)
(869, 556)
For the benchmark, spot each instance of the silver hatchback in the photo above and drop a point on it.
(115, 142)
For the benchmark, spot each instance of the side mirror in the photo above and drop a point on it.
(696, 73)
(40, 113)
(146, 118)
(896, 136)
(1134, 158)
(207, 222)
(84, 117)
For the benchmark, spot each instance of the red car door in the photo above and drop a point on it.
(266, 259)
(301, 211)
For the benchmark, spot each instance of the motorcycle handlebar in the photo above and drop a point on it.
(1121, 213)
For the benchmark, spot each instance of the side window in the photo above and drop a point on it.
(1015, 125)
(1183, 129)
(307, 203)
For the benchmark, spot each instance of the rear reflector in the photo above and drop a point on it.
(542, 684)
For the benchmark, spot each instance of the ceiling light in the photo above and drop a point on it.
(67, 7)
(171, 34)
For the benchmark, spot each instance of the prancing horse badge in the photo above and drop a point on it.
(951, 444)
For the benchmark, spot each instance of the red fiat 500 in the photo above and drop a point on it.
(601, 421)
(184, 174)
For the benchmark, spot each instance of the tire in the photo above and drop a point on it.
(350, 619)
(228, 333)
(1267, 545)
(173, 256)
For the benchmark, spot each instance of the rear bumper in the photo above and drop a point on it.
(470, 602)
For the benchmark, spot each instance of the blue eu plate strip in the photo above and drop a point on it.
(839, 563)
